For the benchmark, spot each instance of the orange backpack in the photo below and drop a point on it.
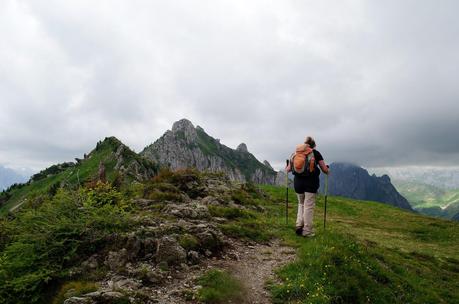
(303, 160)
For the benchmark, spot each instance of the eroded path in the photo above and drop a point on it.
(255, 265)
(252, 264)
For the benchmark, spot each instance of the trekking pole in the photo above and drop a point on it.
(286, 195)
(325, 203)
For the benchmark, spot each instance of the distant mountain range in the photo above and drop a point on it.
(9, 176)
(352, 181)
(187, 146)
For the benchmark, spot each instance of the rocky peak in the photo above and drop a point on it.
(385, 178)
(188, 147)
(267, 164)
(242, 148)
(186, 128)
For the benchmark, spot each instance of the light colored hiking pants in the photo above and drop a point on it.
(306, 204)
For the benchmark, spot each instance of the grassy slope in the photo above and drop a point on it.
(84, 171)
(419, 194)
(371, 252)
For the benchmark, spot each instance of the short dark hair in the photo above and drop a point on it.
(310, 141)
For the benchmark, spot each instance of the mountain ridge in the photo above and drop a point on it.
(353, 181)
(117, 161)
(186, 146)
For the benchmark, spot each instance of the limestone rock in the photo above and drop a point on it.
(170, 251)
(117, 260)
(267, 164)
(193, 211)
(79, 300)
(188, 147)
(242, 148)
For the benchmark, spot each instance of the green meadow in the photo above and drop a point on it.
(369, 253)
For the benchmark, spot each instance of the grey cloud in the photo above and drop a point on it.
(374, 82)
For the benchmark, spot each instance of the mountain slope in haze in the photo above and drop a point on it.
(352, 181)
(188, 147)
(118, 161)
(9, 177)
(441, 177)
(456, 217)
(428, 199)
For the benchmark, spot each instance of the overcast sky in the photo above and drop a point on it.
(375, 82)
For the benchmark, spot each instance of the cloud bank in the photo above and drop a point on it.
(375, 82)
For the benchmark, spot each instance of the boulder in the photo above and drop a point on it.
(170, 251)
(79, 300)
(117, 260)
(123, 283)
(193, 211)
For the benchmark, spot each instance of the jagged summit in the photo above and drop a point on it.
(242, 148)
(186, 129)
(182, 124)
(186, 146)
(267, 164)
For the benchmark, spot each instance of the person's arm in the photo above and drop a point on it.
(323, 167)
(288, 168)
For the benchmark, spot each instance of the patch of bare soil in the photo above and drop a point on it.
(255, 266)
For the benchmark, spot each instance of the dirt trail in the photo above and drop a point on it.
(252, 264)
(255, 265)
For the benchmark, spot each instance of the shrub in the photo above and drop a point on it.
(188, 241)
(47, 241)
(248, 230)
(103, 194)
(241, 197)
(229, 212)
(73, 289)
(187, 180)
(161, 191)
(220, 287)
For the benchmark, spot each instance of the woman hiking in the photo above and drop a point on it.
(304, 166)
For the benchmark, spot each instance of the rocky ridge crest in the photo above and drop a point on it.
(188, 147)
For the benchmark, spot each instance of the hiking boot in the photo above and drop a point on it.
(299, 230)
(308, 235)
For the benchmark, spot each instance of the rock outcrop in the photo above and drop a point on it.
(188, 147)
(170, 248)
(352, 181)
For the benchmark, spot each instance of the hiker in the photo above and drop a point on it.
(304, 166)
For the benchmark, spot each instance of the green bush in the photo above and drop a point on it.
(229, 212)
(188, 241)
(219, 287)
(73, 289)
(247, 230)
(45, 242)
(241, 197)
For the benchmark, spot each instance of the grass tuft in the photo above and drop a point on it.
(219, 287)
